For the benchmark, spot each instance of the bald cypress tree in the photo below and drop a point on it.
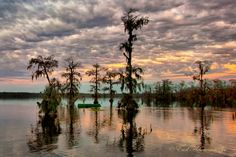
(202, 68)
(96, 80)
(131, 23)
(42, 67)
(73, 78)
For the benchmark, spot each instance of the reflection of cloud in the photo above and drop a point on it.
(180, 32)
(230, 125)
(165, 136)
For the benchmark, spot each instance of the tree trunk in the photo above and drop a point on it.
(46, 73)
(96, 87)
(130, 63)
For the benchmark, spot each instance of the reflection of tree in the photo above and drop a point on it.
(96, 124)
(234, 116)
(72, 133)
(111, 113)
(96, 131)
(205, 121)
(164, 113)
(45, 134)
(132, 138)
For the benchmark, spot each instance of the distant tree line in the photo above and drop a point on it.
(18, 95)
(218, 93)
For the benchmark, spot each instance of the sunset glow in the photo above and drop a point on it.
(179, 33)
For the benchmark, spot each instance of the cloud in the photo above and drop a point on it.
(179, 33)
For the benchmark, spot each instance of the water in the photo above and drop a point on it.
(154, 131)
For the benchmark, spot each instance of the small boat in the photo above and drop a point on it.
(88, 105)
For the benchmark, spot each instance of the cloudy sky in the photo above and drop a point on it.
(179, 33)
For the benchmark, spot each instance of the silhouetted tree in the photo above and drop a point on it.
(202, 68)
(110, 79)
(42, 66)
(131, 23)
(73, 78)
(95, 80)
(51, 97)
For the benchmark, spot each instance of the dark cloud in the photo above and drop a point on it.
(179, 32)
(11, 73)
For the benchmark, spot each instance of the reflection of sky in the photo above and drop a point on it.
(172, 131)
(179, 33)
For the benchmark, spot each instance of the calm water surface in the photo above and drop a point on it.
(153, 131)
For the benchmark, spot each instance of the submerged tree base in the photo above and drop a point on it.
(128, 102)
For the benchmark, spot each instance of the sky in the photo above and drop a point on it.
(179, 33)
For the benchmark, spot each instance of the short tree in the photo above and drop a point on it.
(96, 79)
(73, 78)
(110, 79)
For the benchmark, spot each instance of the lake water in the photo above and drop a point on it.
(153, 131)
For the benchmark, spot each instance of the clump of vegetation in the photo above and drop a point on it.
(51, 96)
(43, 67)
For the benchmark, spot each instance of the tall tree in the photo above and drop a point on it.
(42, 67)
(96, 80)
(131, 23)
(202, 68)
(51, 97)
(73, 78)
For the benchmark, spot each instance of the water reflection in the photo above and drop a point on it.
(202, 129)
(73, 130)
(115, 132)
(111, 113)
(44, 135)
(165, 113)
(95, 124)
(234, 116)
(132, 137)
